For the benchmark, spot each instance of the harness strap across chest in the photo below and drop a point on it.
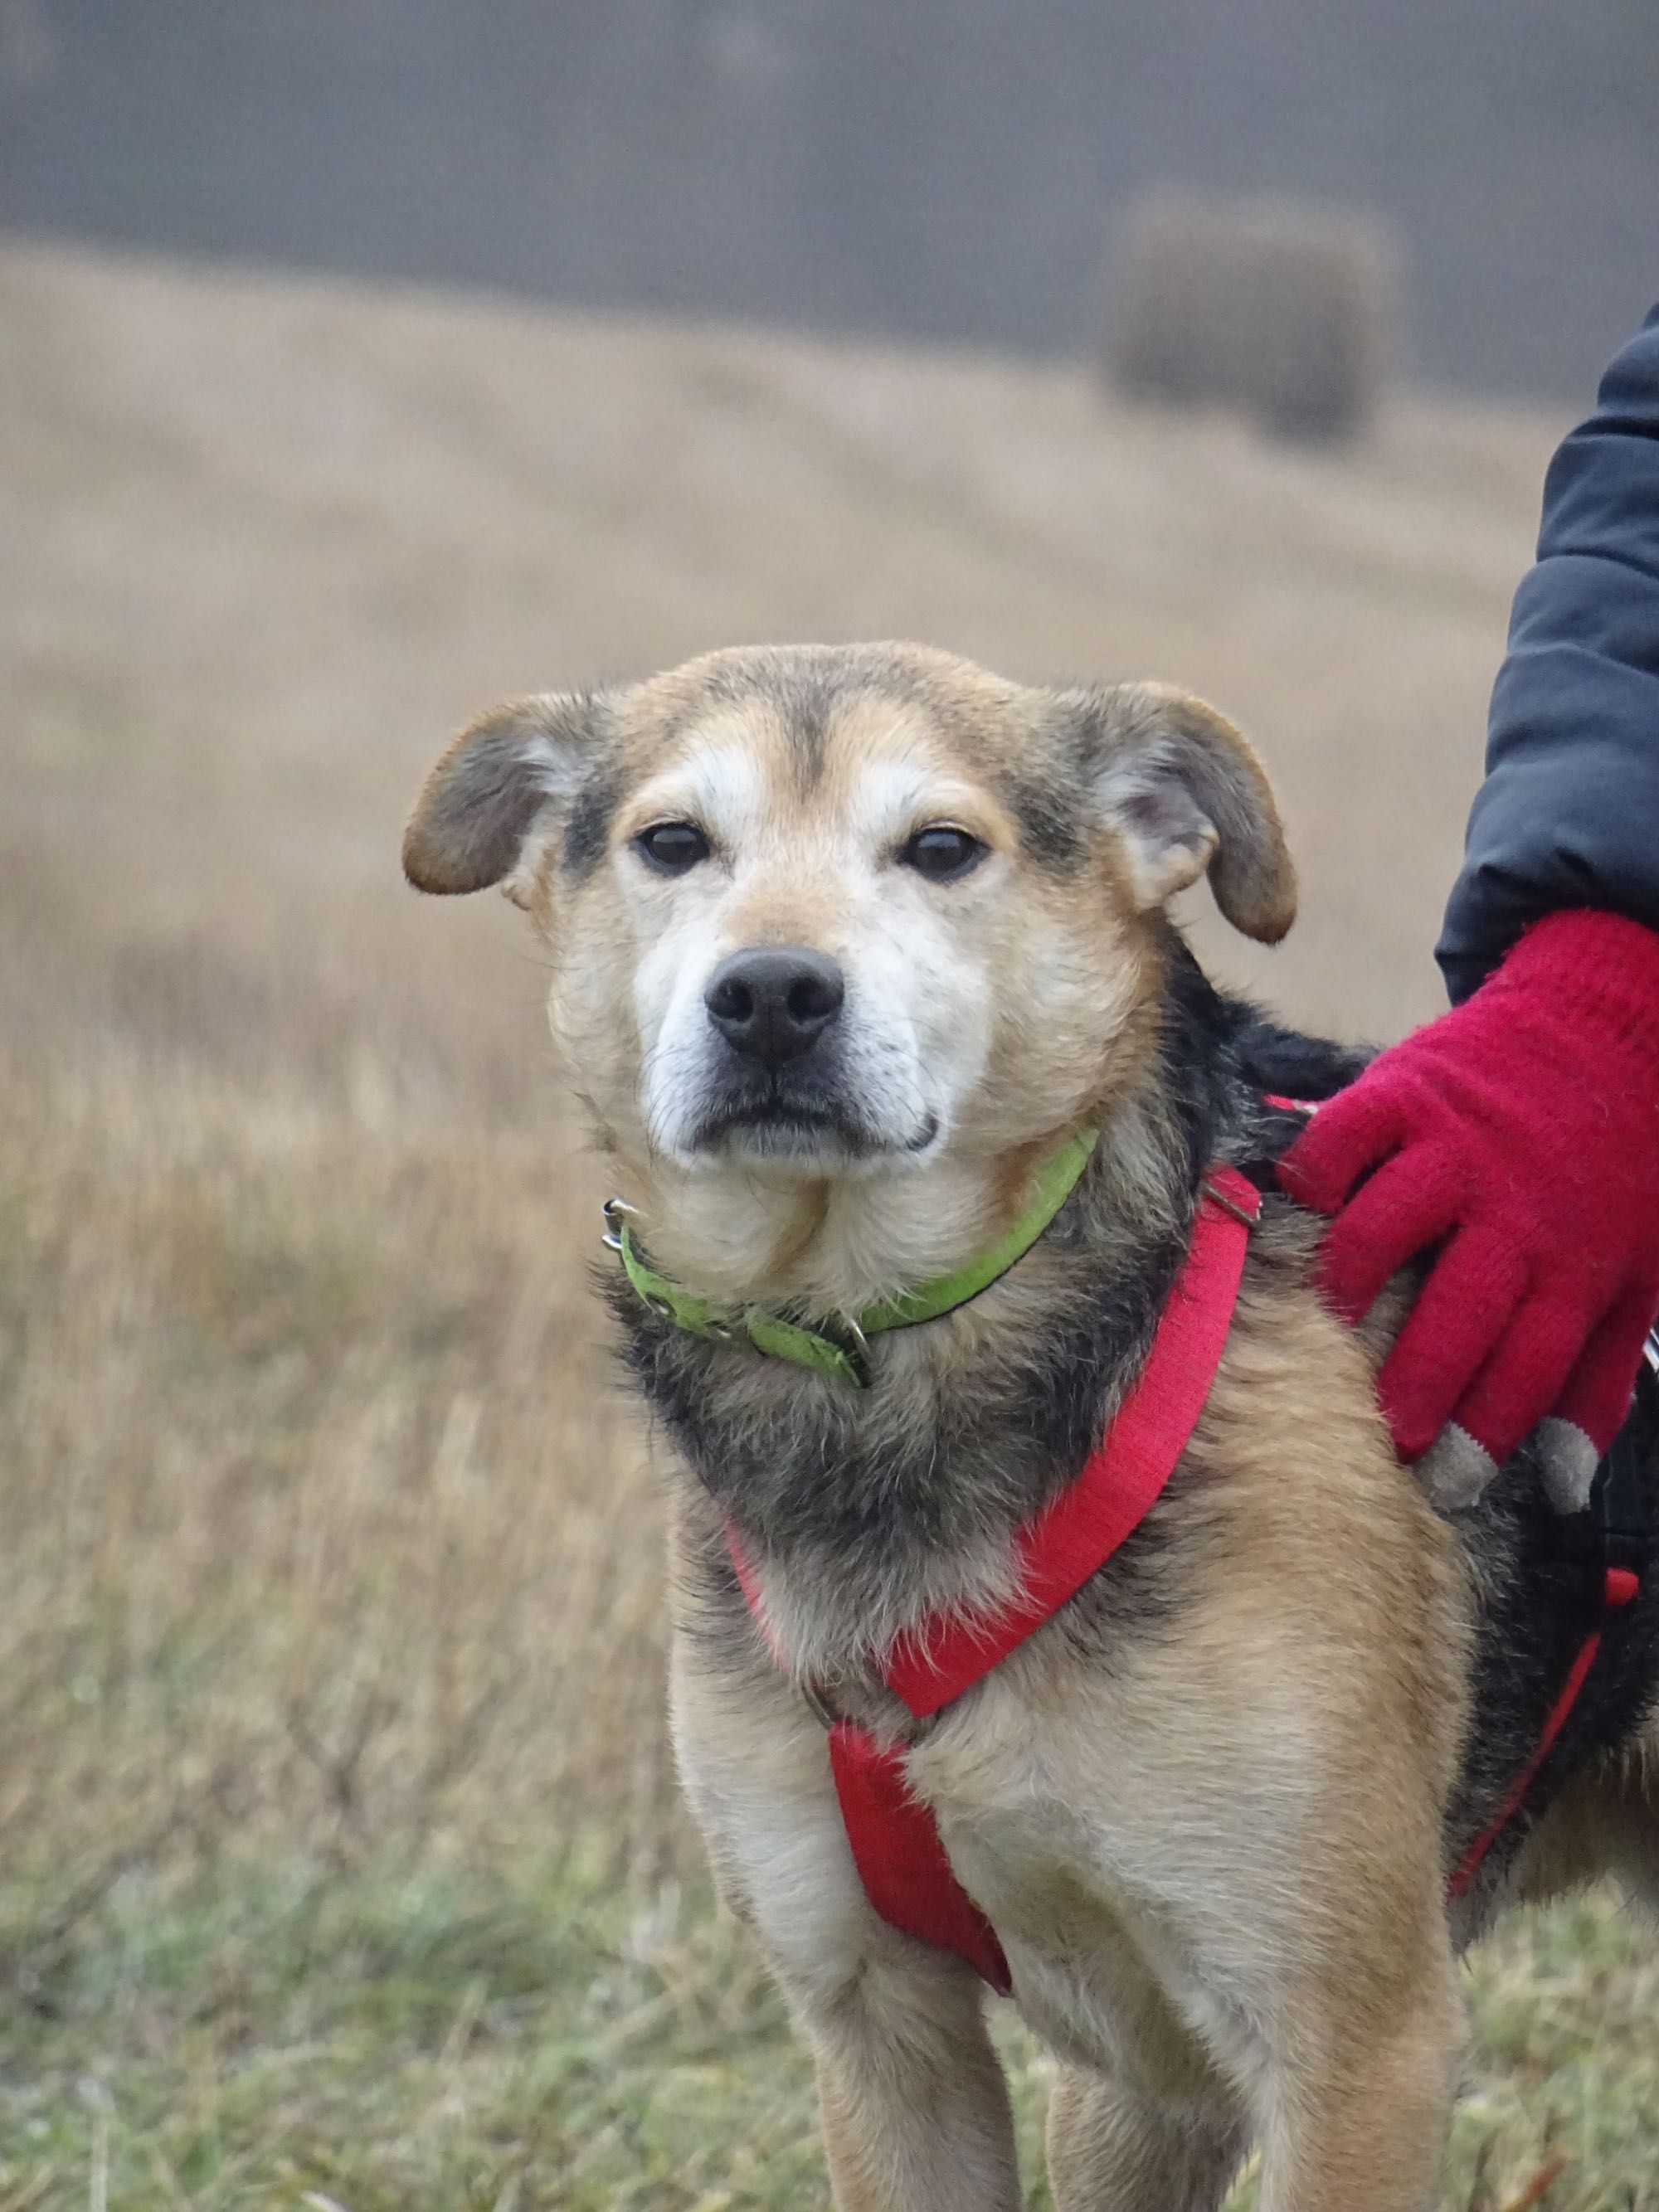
(895, 1840)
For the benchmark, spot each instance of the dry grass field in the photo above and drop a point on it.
(339, 1859)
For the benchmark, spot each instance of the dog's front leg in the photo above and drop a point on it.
(915, 2109)
(1357, 2105)
(1115, 2148)
(915, 2105)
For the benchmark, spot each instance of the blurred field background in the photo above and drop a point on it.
(340, 1862)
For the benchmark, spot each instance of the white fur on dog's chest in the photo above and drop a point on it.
(1099, 1961)
(1122, 1923)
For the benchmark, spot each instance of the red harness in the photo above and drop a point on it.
(895, 1840)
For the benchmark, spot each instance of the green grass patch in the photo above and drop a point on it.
(446, 2041)
(455, 2040)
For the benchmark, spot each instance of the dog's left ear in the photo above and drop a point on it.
(1185, 796)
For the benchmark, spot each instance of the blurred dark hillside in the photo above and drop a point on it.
(940, 168)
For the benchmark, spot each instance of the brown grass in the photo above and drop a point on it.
(327, 1542)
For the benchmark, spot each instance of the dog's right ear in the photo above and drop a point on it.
(500, 785)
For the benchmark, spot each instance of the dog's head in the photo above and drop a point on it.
(823, 917)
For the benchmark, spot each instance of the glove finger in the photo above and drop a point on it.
(1596, 1394)
(1524, 1378)
(1567, 1461)
(1409, 1203)
(1592, 1405)
(1460, 1316)
(1349, 1134)
(1455, 1469)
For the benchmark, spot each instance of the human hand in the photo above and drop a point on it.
(1519, 1133)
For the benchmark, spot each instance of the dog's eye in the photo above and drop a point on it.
(942, 853)
(671, 848)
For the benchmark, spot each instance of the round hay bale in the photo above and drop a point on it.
(1282, 312)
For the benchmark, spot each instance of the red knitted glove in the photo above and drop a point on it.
(1523, 1129)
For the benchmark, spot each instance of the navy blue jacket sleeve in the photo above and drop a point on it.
(1569, 813)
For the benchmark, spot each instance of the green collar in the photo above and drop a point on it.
(841, 1356)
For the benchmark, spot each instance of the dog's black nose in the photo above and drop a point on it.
(770, 1002)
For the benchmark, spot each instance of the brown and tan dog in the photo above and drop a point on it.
(845, 942)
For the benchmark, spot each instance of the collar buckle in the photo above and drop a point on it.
(617, 1212)
(850, 1340)
(1218, 1197)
